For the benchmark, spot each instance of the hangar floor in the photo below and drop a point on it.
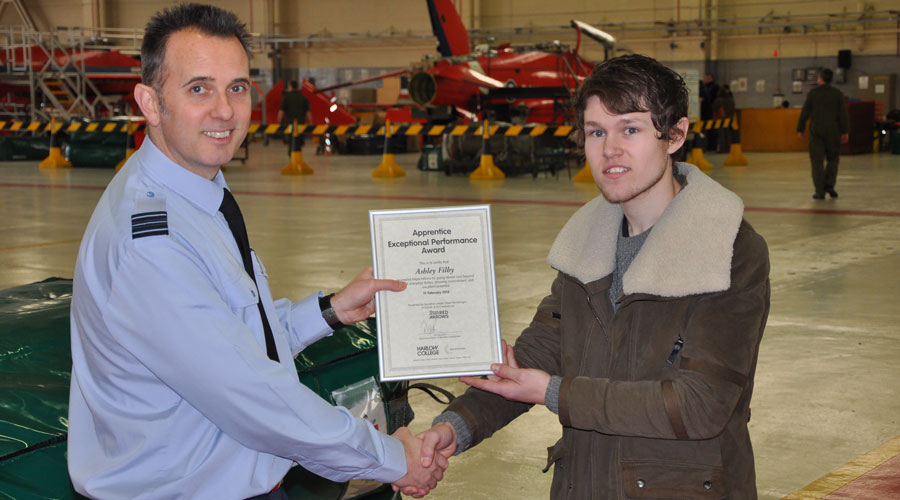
(826, 384)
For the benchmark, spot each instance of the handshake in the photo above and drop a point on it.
(427, 457)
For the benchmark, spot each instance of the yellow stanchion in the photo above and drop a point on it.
(388, 166)
(585, 174)
(696, 154)
(735, 157)
(55, 159)
(129, 147)
(486, 170)
(296, 166)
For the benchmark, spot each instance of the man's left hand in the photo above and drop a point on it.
(845, 138)
(527, 385)
(356, 301)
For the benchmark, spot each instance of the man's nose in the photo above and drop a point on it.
(611, 147)
(222, 107)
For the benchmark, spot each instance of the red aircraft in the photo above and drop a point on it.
(534, 81)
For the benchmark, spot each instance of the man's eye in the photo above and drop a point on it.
(631, 130)
(596, 133)
(239, 89)
(198, 89)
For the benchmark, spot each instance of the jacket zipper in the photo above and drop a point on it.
(603, 328)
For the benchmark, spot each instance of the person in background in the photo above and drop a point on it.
(647, 343)
(829, 127)
(294, 106)
(183, 380)
(709, 90)
(724, 108)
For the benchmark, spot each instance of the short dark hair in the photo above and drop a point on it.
(635, 84)
(827, 75)
(294, 85)
(207, 19)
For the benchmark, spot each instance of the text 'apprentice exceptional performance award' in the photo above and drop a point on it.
(445, 323)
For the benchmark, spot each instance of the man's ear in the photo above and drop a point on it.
(148, 101)
(678, 134)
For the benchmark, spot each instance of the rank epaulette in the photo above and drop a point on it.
(149, 224)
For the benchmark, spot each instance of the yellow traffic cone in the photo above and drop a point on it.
(388, 166)
(55, 159)
(486, 170)
(296, 166)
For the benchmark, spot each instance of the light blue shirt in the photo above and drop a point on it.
(172, 393)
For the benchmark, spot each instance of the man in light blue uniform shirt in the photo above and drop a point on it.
(173, 393)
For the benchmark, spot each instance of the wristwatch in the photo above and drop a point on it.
(328, 313)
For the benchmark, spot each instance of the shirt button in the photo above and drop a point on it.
(150, 194)
(641, 483)
(707, 485)
(253, 293)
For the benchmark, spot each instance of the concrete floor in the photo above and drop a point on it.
(826, 383)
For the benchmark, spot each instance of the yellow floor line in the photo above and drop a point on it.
(35, 245)
(839, 477)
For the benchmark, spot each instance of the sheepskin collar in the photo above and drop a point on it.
(688, 251)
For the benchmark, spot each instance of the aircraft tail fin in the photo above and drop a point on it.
(453, 39)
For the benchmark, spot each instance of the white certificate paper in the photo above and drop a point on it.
(445, 324)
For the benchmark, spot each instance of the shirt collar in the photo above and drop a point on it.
(204, 193)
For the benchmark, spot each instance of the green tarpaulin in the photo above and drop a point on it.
(35, 363)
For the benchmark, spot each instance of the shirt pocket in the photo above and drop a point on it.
(660, 479)
(239, 292)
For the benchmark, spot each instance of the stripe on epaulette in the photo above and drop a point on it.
(149, 224)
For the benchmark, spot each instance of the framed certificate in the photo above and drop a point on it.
(445, 324)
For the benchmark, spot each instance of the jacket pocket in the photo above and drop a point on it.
(658, 479)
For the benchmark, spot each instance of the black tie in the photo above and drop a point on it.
(232, 214)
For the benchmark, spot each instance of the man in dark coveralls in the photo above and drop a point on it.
(294, 106)
(828, 129)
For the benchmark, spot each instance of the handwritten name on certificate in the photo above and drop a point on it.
(445, 324)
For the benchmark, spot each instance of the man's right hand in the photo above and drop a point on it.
(419, 479)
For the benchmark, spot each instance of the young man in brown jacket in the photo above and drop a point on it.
(646, 346)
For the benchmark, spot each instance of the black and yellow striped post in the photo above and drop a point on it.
(296, 166)
(55, 159)
(696, 154)
(735, 157)
(129, 146)
(486, 170)
(388, 166)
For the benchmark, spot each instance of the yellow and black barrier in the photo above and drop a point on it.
(533, 130)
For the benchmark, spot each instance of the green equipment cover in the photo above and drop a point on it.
(13, 148)
(96, 148)
(35, 366)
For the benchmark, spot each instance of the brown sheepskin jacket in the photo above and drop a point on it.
(655, 397)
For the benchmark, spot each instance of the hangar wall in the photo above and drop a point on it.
(759, 40)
